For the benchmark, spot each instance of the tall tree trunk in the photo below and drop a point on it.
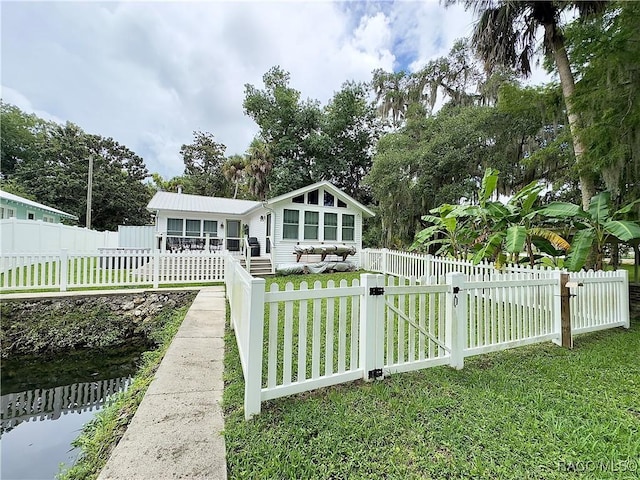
(587, 186)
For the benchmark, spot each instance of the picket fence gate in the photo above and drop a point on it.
(292, 341)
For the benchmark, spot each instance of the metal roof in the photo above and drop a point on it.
(198, 203)
(15, 198)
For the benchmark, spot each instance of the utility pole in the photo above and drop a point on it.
(89, 191)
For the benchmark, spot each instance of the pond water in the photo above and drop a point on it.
(45, 403)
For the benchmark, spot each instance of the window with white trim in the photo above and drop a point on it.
(31, 216)
(290, 222)
(210, 227)
(193, 228)
(312, 197)
(48, 219)
(311, 223)
(329, 199)
(330, 226)
(348, 228)
(7, 212)
(175, 227)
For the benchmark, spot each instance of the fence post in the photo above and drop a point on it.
(253, 380)
(64, 269)
(383, 261)
(456, 319)
(156, 268)
(565, 312)
(624, 298)
(428, 271)
(372, 326)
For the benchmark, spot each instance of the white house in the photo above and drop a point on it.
(319, 218)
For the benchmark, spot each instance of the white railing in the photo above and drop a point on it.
(410, 264)
(510, 310)
(246, 252)
(316, 343)
(601, 301)
(246, 302)
(296, 340)
(113, 268)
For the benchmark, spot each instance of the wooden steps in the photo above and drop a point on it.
(260, 266)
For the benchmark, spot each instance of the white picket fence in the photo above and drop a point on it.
(112, 268)
(601, 301)
(293, 341)
(411, 264)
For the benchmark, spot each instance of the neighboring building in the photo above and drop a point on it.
(319, 214)
(14, 206)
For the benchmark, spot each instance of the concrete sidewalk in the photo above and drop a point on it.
(177, 429)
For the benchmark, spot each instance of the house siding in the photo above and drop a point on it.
(285, 247)
(21, 212)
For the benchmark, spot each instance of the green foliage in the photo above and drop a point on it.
(595, 227)
(349, 132)
(449, 230)
(233, 170)
(21, 135)
(203, 162)
(428, 162)
(259, 166)
(159, 184)
(288, 126)
(604, 53)
(491, 229)
(301, 143)
(54, 171)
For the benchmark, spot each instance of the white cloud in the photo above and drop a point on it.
(149, 74)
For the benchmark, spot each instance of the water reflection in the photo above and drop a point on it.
(45, 403)
(51, 403)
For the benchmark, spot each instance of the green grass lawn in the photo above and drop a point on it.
(539, 412)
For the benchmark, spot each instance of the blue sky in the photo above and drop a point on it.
(150, 73)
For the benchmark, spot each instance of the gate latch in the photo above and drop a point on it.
(376, 291)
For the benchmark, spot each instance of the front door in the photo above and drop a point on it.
(233, 235)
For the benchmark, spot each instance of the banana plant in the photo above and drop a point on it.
(448, 230)
(512, 227)
(593, 228)
(492, 229)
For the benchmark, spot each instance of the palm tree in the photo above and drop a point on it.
(505, 34)
(233, 170)
(258, 168)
